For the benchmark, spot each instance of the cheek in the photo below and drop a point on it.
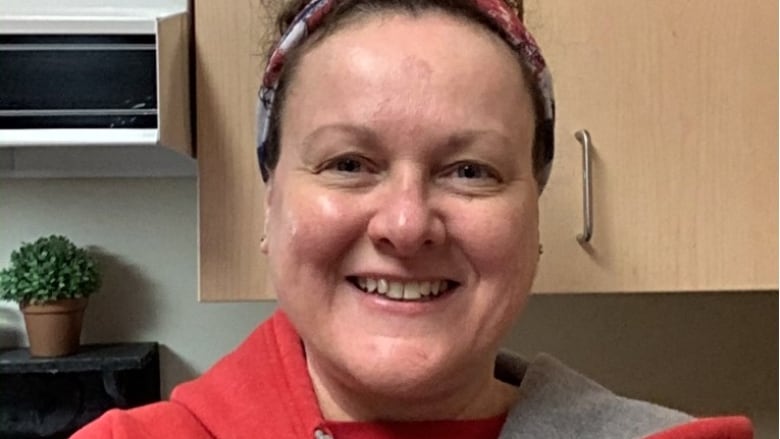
(307, 234)
(507, 261)
(503, 242)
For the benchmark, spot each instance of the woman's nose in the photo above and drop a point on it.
(404, 222)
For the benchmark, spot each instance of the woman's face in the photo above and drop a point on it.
(405, 167)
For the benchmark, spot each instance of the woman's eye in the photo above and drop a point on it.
(473, 171)
(348, 165)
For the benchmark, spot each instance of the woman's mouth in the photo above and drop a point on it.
(414, 290)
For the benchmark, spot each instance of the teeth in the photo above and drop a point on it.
(396, 290)
(412, 290)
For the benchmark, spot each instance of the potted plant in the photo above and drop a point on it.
(51, 279)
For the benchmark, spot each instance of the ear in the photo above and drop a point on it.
(267, 203)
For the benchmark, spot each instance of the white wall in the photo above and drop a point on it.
(704, 353)
(145, 233)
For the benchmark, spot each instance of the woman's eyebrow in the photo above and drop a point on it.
(472, 135)
(461, 140)
(456, 142)
(364, 135)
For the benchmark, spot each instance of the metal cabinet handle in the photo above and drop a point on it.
(583, 136)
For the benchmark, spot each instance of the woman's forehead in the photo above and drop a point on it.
(428, 32)
(432, 66)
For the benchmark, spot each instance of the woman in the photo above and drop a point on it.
(404, 144)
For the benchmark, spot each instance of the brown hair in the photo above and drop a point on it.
(348, 11)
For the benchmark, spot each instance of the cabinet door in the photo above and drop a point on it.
(229, 44)
(680, 99)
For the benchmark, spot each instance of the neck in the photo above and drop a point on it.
(475, 395)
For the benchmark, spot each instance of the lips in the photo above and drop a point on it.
(406, 290)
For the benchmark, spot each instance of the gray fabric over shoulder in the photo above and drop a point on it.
(557, 402)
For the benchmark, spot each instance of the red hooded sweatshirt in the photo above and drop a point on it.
(263, 390)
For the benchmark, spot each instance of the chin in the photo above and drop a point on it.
(401, 370)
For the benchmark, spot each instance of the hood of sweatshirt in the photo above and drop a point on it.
(278, 397)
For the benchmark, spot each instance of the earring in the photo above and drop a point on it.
(264, 244)
(541, 249)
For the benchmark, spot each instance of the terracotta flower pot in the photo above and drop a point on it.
(54, 328)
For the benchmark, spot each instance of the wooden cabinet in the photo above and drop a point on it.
(680, 99)
(229, 44)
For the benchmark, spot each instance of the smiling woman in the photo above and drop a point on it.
(404, 145)
(420, 170)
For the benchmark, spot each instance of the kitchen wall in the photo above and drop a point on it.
(704, 353)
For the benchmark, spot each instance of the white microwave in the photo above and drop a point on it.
(95, 73)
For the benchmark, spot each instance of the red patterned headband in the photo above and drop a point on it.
(307, 21)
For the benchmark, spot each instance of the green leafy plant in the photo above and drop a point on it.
(51, 268)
